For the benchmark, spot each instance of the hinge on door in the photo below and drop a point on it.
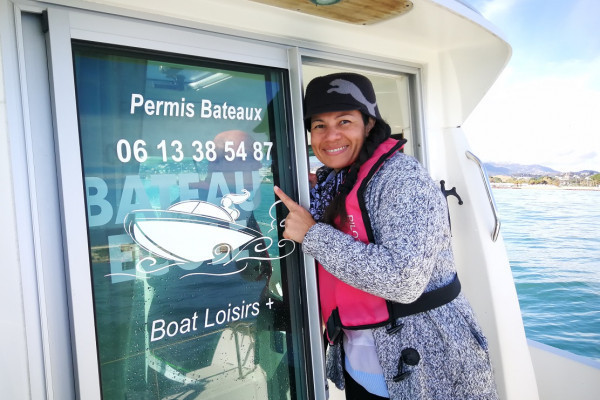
(45, 27)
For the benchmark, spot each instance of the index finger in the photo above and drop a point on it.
(287, 200)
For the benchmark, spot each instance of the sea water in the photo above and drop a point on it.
(552, 238)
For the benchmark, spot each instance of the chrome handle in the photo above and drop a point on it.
(488, 189)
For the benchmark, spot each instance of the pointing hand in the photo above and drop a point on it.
(298, 221)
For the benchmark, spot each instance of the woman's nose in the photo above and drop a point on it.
(332, 132)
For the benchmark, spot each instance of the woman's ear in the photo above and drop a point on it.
(369, 125)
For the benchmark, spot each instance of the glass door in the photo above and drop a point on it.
(193, 285)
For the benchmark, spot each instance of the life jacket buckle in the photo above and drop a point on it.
(393, 327)
(334, 328)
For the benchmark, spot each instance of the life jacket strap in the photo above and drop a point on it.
(333, 328)
(427, 301)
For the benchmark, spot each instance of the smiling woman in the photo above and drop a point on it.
(378, 228)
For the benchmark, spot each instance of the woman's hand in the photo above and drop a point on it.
(298, 221)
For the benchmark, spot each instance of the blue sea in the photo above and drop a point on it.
(553, 242)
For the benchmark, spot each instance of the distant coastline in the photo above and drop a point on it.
(542, 187)
(531, 170)
(520, 176)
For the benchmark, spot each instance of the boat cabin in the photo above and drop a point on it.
(140, 145)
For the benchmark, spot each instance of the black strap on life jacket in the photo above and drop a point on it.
(427, 301)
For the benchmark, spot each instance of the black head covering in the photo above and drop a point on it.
(343, 91)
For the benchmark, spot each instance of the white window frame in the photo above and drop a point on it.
(65, 25)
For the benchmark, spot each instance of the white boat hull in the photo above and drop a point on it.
(186, 237)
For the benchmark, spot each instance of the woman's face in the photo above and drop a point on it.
(338, 136)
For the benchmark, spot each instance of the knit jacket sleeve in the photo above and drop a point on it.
(409, 219)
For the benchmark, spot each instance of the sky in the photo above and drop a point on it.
(545, 106)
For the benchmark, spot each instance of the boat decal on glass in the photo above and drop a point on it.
(195, 231)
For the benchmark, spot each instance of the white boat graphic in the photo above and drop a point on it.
(191, 231)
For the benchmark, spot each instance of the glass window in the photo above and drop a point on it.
(190, 275)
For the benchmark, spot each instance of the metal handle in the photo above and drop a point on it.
(488, 189)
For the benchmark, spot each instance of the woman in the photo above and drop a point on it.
(396, 323)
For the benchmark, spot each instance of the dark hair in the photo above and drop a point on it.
(378, 134)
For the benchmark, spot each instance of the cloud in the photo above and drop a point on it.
(545, 107)
(493, 9)
(576, 161)
(553, 120)
(581, 73)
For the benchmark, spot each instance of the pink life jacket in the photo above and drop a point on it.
(357, 309)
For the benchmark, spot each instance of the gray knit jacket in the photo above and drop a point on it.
(412, 254)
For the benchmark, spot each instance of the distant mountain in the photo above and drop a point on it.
(494, 169)
(586, 172)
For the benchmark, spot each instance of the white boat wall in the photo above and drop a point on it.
(451, 56)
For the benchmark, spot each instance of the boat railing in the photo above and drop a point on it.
(486, 182)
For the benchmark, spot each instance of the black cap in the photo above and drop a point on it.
(343, 91)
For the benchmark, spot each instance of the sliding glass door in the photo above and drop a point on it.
(193, 285)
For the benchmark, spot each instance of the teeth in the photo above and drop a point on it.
(334, 150)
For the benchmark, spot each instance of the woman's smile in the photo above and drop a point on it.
(339, 149)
